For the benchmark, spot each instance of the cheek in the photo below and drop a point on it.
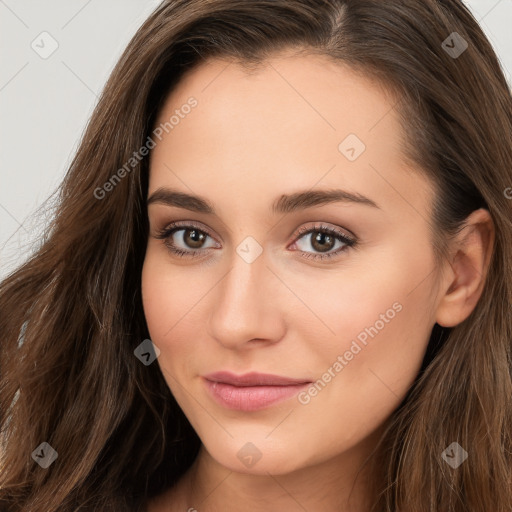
(157, 295)
(168, 293)
(172, 298)
(381, 330)
(377, 320)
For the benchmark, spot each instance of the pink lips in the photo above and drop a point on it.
(251, 391)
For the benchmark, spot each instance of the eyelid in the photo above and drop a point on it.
(349, 240)
(325, 226)
(183, 224)
(318, 225)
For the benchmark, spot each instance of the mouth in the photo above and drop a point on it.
(251, 391)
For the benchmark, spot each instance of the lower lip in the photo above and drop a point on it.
(251, 398)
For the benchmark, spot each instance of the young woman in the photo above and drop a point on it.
(279, 274)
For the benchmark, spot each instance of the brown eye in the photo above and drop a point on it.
(189, 242)
(193, 238)
(322, 242)
(322, 239)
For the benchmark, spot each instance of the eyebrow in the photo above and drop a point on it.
(286, 203)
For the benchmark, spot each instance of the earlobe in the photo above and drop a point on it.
(471, 252)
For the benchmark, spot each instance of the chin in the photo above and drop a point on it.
(260, 457)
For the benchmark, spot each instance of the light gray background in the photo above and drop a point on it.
(45, 103)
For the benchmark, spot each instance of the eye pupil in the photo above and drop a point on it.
(320, 239)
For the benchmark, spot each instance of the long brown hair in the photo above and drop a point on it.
(71, 316)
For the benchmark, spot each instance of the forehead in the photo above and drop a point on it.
(295, 122)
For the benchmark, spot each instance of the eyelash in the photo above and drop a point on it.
(169, 230)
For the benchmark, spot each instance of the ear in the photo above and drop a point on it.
(463, 282)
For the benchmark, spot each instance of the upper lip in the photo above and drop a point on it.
(253, 379)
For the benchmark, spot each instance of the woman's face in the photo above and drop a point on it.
(268, 279)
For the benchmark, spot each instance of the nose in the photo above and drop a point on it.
(248, 306)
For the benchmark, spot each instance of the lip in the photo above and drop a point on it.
(251, 391)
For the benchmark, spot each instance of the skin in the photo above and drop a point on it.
(252, 138)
